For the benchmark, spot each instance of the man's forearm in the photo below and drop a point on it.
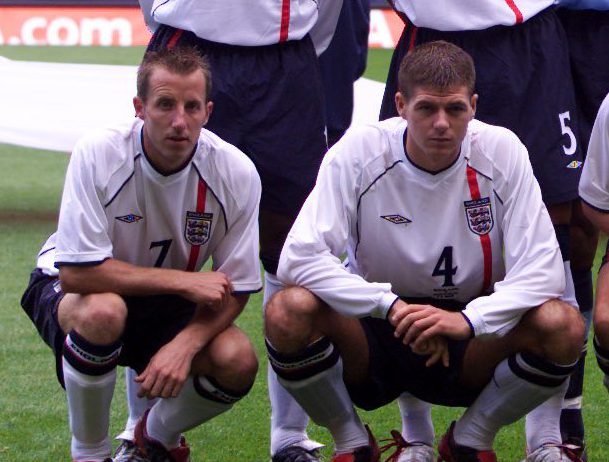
(121, 278)
(209, 322)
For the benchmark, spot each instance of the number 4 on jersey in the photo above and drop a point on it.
(444, 267)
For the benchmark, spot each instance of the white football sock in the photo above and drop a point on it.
(89, 398)
(507, 398)
(323, 395)
(417, 426)
(542, 424)
(170, 417)
(288, 419)
(136, 405)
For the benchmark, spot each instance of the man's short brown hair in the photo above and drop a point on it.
(181, 61)
(438, 65)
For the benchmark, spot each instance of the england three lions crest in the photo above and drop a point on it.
(197, 228)
(479, 215)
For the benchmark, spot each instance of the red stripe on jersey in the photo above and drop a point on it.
(485, 240)
(194, 249)
(174, 39)
(516, 10)
(285, 20)
(413, 36)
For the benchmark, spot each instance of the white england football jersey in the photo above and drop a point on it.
(454, 15)
(594, 182)
(116, 205)
(247, 22)
(476, 232)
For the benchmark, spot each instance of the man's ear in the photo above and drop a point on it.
(474, 104)
(138, 105)
(210, 107)
(400, 104)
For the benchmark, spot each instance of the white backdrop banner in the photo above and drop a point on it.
(51, 105)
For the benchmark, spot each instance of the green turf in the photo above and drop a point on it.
(33, 427)
(84, 55)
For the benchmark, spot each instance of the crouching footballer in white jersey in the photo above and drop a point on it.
(453, 275)
(144, 207)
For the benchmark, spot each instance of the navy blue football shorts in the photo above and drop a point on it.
(588, 36)
(395, 369)
(151, 321)
(524, 83)
(268, 101)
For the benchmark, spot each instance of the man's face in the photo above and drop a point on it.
(173, 114)
(437, 123)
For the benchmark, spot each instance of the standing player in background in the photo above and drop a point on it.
(518, 47)
(594, 192)
(586, 23)
(268, 98)
(144, 207)
(343, 62)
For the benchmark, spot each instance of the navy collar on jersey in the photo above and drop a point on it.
(431, 172)
(173, 172)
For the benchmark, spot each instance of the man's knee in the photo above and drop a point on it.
(291, 315)
(99, 318)
(233, 359)
(601, 324)
(558, 330)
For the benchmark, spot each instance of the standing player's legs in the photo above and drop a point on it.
(286, 141)
(417, 426)
(136, 407)
(601, 319)
(583, 243)
(342, 63)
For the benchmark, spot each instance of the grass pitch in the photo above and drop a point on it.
(34, 426)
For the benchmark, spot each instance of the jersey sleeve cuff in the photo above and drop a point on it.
(471, 326)
(239, 291)
(593, 206)
(59, 264)
(387, 301)
(475, 321)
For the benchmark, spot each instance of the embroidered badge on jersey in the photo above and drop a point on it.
(574, 164)
(197, 228)
(479, 215)
(130, 218)
(396, 219)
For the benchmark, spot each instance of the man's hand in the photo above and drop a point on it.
(166, 372)
(419, 323)
(211, 288)
(436, 348)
